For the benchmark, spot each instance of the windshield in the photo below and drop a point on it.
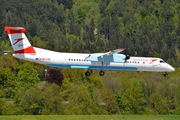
(162, 61)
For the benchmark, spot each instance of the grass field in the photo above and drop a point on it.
(92, 117)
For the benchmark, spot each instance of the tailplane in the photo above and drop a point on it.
(19, 41)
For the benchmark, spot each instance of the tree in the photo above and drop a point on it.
(109, 102)
(112, 84)
(8, 82)
(159, 104)
(67, 3)
(81, 15)
(80, 101)
(9, 108)
(27, 75)
(133, 97)
(32, 101)
(54, 76)
(2, 101)
(53, 102)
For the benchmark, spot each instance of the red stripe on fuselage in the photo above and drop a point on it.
(14, 30)
(26, 50)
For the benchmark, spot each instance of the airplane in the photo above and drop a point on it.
(112, 60)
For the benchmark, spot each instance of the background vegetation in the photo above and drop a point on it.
(91, 117)
(146, 28)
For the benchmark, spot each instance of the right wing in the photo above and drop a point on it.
(116, 51)
(111, 56)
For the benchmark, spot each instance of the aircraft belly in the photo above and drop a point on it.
(95, 66)
(151, 67)
(92, 67)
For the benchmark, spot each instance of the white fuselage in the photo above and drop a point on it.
(103, 61)
(77, 60)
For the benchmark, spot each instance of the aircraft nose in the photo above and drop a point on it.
(171, 68)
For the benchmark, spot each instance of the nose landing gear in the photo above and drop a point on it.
(165, 74)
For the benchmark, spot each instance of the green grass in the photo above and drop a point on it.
(91, 117)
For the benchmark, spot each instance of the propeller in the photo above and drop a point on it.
(126, 54)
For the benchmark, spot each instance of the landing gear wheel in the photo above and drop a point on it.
(87, 73)
(101, 73)
(165, 75)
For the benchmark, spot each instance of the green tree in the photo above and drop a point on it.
(53, 100)
(27, 75)
(67, 3)
(12, 109)
(133, 98)
(32, 101)
(109, 102)
(80, 101)
(8, 82)
(81, 15)
(159, 104)
(2, 101)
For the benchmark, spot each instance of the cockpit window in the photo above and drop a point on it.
(162, 61)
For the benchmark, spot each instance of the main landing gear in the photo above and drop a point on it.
(101, 73)
(87, 73)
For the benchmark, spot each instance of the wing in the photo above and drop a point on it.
(111, 56)
(116, 51)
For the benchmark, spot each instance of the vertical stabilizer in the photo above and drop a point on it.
(19, 41)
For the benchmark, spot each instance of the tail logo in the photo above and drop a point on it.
(18, 40)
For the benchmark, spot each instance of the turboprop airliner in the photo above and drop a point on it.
(112, 60)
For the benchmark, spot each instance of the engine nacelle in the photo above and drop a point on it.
(127, 57)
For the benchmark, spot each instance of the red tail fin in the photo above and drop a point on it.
(19, 41)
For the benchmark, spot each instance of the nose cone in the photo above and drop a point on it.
(171, 68)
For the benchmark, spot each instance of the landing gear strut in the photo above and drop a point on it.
(165, 74)
(101, 73)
